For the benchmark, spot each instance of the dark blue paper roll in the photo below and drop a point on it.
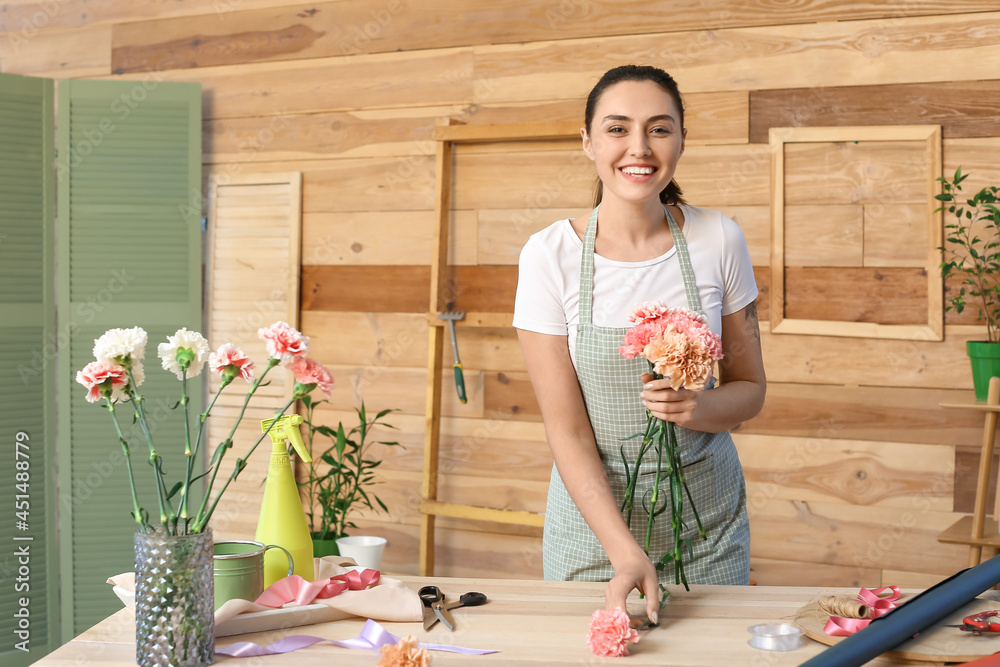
(887, 632)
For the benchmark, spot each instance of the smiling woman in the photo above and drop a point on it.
(578, 280)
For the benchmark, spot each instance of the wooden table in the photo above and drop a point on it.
(531, 622)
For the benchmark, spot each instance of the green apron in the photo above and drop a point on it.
(611, 386)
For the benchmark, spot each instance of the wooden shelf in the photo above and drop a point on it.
(981, 407)
(517, 517)
(961, 533)
(977, 530)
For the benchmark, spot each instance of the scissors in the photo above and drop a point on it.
(439, 610)
(984, 621)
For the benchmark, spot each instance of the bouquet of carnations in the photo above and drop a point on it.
(117, 373)
(680, 347)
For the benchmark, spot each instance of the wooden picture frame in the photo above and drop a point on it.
(933, 329)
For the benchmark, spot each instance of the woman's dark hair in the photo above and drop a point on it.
(672, 193)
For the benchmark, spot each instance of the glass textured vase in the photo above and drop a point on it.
(174, 600)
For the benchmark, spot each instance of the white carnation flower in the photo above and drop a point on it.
(184, 339)
(119, 345)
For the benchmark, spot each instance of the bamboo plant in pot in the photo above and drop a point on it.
(339, 478)
(972, 253)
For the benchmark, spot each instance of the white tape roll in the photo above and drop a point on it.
(775, 637)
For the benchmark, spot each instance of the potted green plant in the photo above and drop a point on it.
(972, 252)
(339, 478)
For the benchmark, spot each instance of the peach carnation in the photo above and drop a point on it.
(310, 372)
(284, 342)
(404, 653)
(102, 378)
(685, 362)
(610, 633)
(232, 361)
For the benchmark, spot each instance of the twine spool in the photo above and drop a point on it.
(844, 607)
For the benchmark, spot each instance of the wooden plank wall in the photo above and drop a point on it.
(852, 466)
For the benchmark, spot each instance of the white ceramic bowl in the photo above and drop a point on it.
(366, 550)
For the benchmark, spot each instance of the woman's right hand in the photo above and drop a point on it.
(635, 571)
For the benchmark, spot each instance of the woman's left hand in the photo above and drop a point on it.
(673, 405)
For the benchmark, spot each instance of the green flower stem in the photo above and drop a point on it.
(200, 519)
(188, 457)
(167, 516)
(203, 417)
(656, 491)
(676, 506)
(694, 510)
(312, 481)
(647, 440)
(136, 510)
(663, 436)
(241, 463)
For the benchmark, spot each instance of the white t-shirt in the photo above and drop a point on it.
(548, 283)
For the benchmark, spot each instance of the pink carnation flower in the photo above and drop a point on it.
(638, 337)
(284, 342)
(647, 311)
(610, 633)
(101, 377)
(232, 360)
(309, 371)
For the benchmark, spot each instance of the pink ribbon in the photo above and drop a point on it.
(296, 589)
(373, 636)
(879, 602)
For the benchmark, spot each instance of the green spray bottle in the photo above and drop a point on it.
(282, 519)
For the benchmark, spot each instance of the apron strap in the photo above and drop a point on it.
(587, 270)
(587, 267)
(690, 284)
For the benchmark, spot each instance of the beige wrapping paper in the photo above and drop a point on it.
(388, 600)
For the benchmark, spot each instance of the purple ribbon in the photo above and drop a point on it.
(373, 636)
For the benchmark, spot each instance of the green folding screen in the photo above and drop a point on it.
(123, 249)
(129, 254)
(28, 590)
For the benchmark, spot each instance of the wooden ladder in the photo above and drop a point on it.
(448, 133)
(977, 530)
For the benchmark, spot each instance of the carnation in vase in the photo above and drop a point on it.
(229, 361)
(121, 346)
(184, 353)
(284, 342)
